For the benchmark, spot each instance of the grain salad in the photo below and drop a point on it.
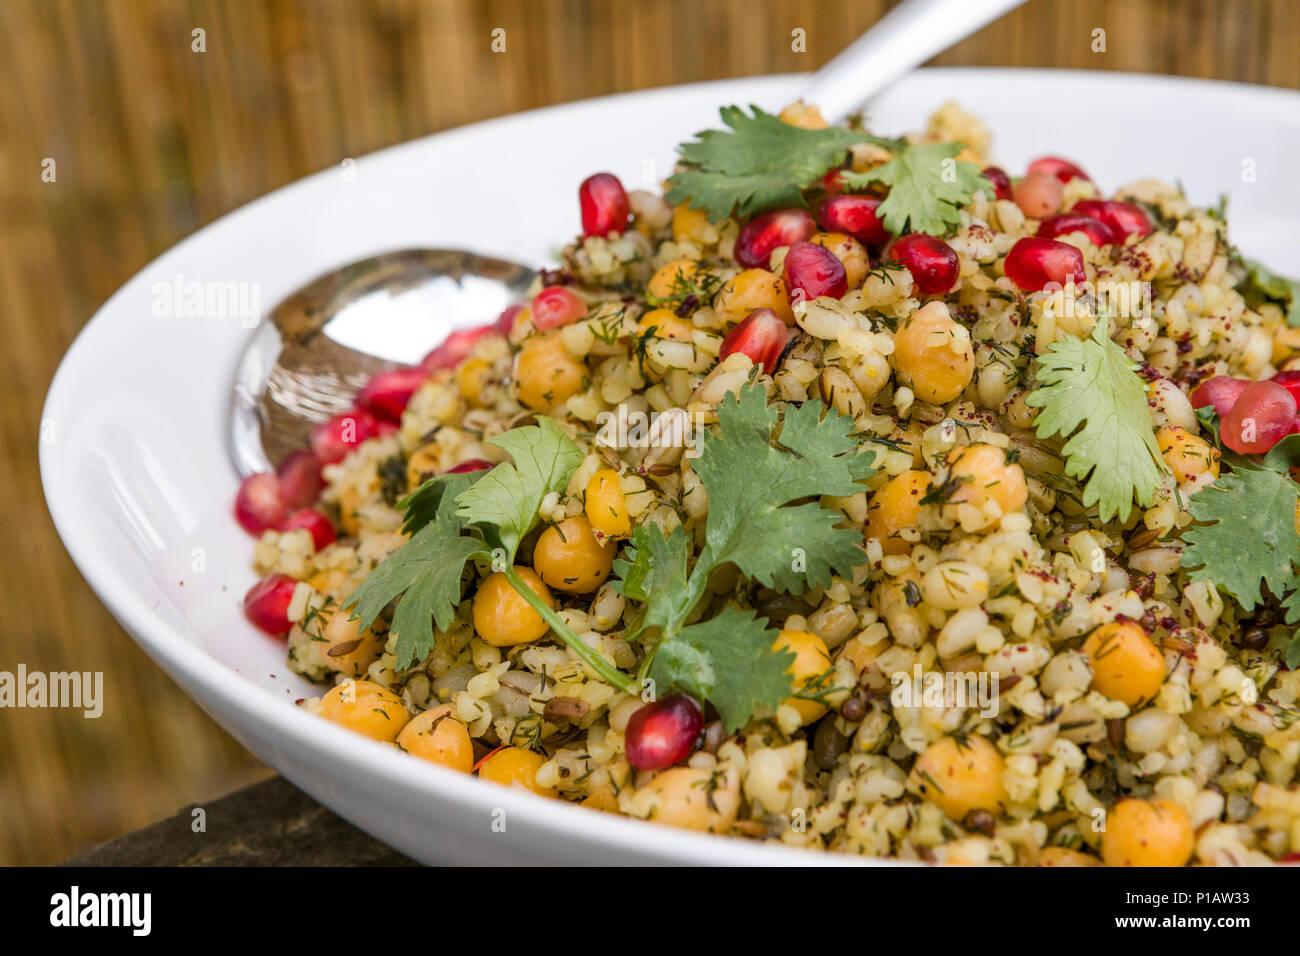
(849, 493)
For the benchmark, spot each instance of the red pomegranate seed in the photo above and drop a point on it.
(259, 503)
(1124, 218)
(604, 205)
(388, 393)
(833, 181)
(1062, 169)
(1067, 222)
(1033, 264)
(505, 322)
(458, 345)
(770, 231)
(321, 528)
(465, 467)
(1222, 392)
(300, 478)
(1000, 180)
(856, 216)
(761, 335)
(812, 270)
(334, 439)
(1290, 380)
(932, 262)
(1261, 417)
(556, 306)
(663, 733)
(267, 603)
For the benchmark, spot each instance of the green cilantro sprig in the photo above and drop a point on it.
(928, 185)
(1091, 394)
(763, 518)
(1266, 286)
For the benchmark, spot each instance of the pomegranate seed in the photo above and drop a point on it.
(1261, 417)
(300, 478)
(1222, 392)
(556, 306)
(465, 467)
(1033, 263)
(1062, 169)
(259, 503)
(770, 231)
(458, 345)
(833, 181)
(388, 393)
(505, 322)
(1067, 222)
(1039, 195)
(322, 530)
(761, 335)
(1124, 218)
(1000, 180)
(604, 205)
(267, 603)
(812, 270)
(1290, 380)
(932, 262)
(332, 440)
(856, 216)
(663, 733)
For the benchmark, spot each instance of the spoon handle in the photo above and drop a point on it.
(903, 39)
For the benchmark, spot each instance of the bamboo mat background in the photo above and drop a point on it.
(153, 140)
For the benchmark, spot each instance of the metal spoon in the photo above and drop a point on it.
(324, 342)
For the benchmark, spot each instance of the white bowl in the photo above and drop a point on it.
(134, 460)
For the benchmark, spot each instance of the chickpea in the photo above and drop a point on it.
(666, 324)
(606, 505)
(692, 225)
(515, 767)
(1286, 344)
(671, 278)
(422, 465)
(501, 617)
(933, 354)
(546, 374)
(750, 290)
(802, 115)
(893, 507)
(351, 498)
(366, 707)
(440, 738)
(692, 798)
(472, 380)
(570, 558)
(327, 581)
(1060, 856)
(602, 798)
(850, 252)
(1147, 833)
(1187, 455)
(1126, 666)
(346, 648)
(980, 474)
(959, 776)
(811, 661)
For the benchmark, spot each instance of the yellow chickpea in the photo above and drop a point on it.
(673, 277)
(980, 474)
(1126, 666)
(348, 649)
(893, 507)
(546, 373)
(606, 505)
(1060, 856)
(501, 617)
(515, 767)
(692, 798)
(1286, 344)
(328, 581)
(851, 253)
(666, 324)
(351, 498)
(692, 225)
(933, 354)
(1187, 455)
(569, 558)
(811, 661)
(472, 380)
(803, 115)
(1147, 833)
(438, 737)
(602, 798)
(959, 776)
(366, 707)
(750, 290)
(421, 466)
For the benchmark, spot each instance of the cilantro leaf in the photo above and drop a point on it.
(751, 482)
(653, 571)
(760, 163)
(727, 660)
(505, 499)
(928, 185)
(1265, 285)
(425, 573)
(1246, 535)
(1292, 607)
(425, 503)
(1091, 394)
